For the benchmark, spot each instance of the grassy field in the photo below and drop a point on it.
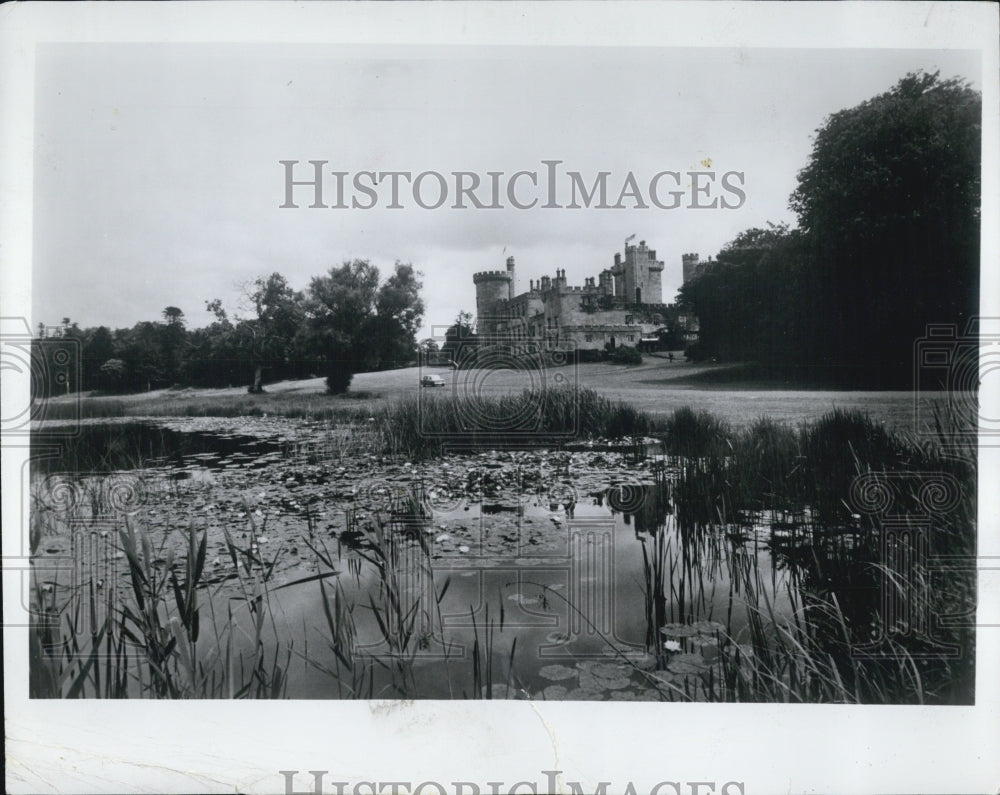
(656, 387)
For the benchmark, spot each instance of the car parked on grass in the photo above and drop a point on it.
(431, 380)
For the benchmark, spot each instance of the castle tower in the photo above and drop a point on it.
(606, 282)
(689, 266)
(513, 277)
(491, 287)
(637, 277)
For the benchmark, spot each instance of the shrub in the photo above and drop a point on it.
(625, 356)
(338, 381)
(695, 352)
(587, 355)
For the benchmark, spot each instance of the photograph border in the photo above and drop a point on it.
(103, 746)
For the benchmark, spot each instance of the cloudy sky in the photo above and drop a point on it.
(157, 175)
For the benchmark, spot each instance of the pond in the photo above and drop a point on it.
(559, 574)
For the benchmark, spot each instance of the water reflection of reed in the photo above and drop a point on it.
(844, 611)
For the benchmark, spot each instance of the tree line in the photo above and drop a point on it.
(888, 209)
(346, 321)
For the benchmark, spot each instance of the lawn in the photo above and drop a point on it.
(657, 387)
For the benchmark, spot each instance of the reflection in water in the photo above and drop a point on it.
(494, 583)
(600, 589)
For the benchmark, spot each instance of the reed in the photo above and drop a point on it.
(423, 426)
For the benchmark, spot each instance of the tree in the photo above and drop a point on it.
(460, 344)
(141, 349)
(97, 349)
(889, 202)
(270, 335)
(748, 301)
(355, 324)
(399, 310)
(112, 374)
(340, 305)
(888, 242)
(173, 316)
(173, 337)
(215, 307)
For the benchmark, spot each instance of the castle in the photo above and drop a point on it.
(622, 306)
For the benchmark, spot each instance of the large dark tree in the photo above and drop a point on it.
(97, 350)
(889, 202)
(399, 310)
(748, 301)
(888, 243)
(340, 305)
(356, 325)
(270, 334)
(173, 338)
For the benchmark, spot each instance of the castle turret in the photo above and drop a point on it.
(513, 277)
(491, 287)
(605, 282)
(690, 266)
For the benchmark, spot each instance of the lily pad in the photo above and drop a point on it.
(608, 670)
(555, 693)
(708, 627)
(602, 684)
(687, 664)
(584, 694)
(678, 630)
(640, 660)
(557, 673)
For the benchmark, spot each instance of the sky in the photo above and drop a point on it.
(157, 179)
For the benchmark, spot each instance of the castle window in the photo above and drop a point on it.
(631, 338)
(588, 337)
(629, 320)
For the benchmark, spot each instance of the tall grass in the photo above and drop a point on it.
(144, 641)
(859, 624)
(346, 408)
(695, 434)
(426, 425)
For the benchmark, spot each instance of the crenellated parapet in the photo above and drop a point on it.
(690, 266)
(491, 276)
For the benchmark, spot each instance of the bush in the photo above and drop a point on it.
(695, 352)
(586, 355)
(625, 356)
(338, 381)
